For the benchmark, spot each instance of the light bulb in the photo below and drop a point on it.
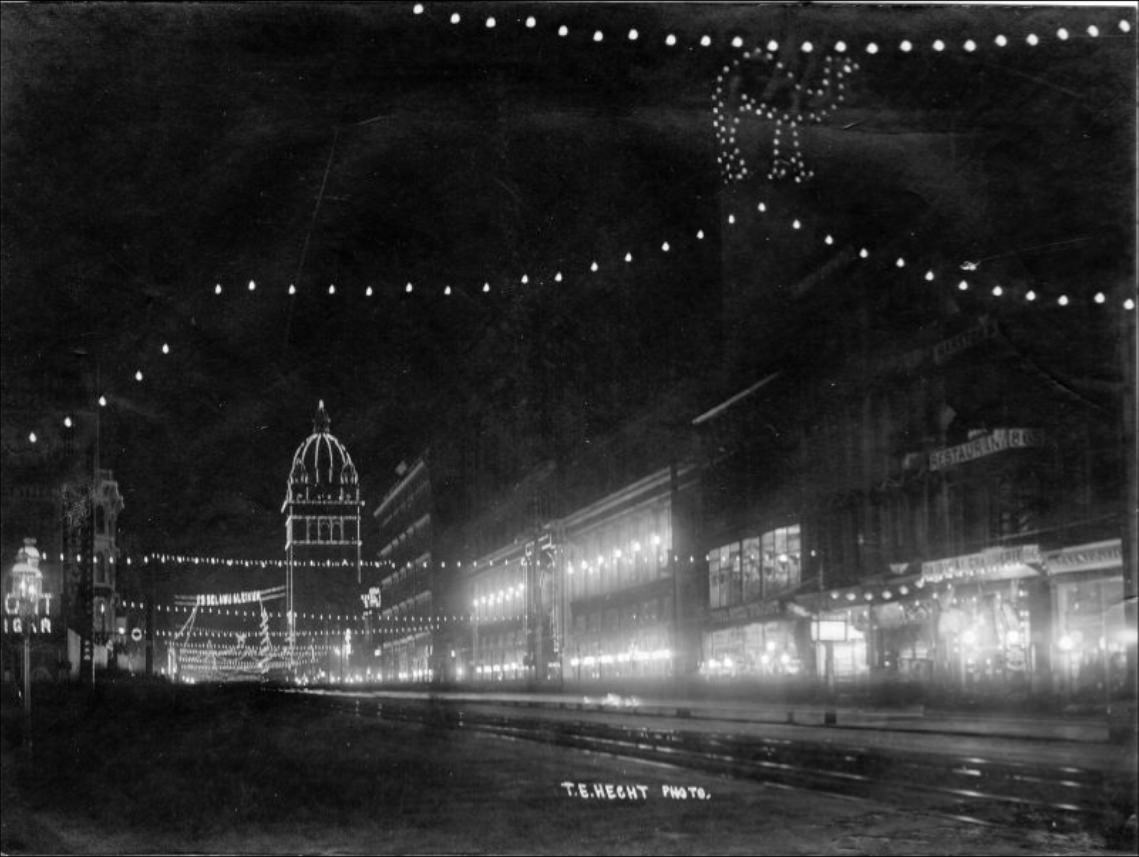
(1062, 34)
(102, 401)
(731, 218)
(840, 46)
(368, 292)
(558, 277)
(486, 288)
(700, 234)
(67, 422)
(490, 22)
(1093, 31)
(773, 46)
(670, 40)
(705, 40)
(872, 48)
(906, 46)
(938, 45)
(292, 289)
(1128, 304)
(530, 23)
(664, 246)
(525, 279)
(1031, 296)
(997, 291)
(1032, 39)
(332, 288)
(32, 437)
(563, 30)
(864, 253)
(633, 34)
(455, 17)
(1099, 297)
(165, 348)
(252, 285)
(1001, 41)
(901, 263)
(593, 267)
(796, 224)
(737, 42)
(1125, 26)
(417, 8)
(598, 35)
(761, 207)
(829, 240)
(138, 375)
(408, 288)
(1063, 300)
(963, 286)
(217, 289)
(929, 276)
(628, 257)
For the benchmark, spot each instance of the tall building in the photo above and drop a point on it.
(403, 624)
(323, 542)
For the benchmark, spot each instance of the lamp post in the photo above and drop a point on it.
(27, 590)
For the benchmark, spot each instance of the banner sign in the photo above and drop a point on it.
(993, 564)
(1108, 554)
(998, 440)
(947, 348)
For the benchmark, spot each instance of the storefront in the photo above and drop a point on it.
(1090, 636)
(763, 640)
(984, 638)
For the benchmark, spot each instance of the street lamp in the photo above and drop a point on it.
(27, 590)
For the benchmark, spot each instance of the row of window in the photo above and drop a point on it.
(755, 568)
(612, 619)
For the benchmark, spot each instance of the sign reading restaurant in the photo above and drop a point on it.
(998, 440)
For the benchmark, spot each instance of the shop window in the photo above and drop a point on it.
(780, 559)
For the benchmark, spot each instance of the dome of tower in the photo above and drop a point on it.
(321, 461)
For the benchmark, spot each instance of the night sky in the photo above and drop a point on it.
(154, 151)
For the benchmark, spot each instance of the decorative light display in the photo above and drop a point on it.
(815, 89)
(793, 94)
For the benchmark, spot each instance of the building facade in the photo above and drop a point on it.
(403, 622)
(323, 573)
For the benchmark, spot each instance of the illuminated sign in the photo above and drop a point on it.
(225, 599)
(993, 564)
(829, 630)
(998, 440)
(39, 622)
(1088, 557)
(372, 599)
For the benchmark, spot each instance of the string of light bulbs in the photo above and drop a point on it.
(871, 46)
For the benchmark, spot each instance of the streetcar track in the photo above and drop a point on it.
(889, 775)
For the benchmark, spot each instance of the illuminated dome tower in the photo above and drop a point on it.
(322, 527)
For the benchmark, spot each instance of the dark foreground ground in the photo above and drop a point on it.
(130, 769)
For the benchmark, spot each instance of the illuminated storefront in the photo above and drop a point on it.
(983, 636)
(1089, 634)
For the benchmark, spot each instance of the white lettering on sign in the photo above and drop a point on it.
(42, 607)
(955, 344)
(996, 441)
(989, 563)
(34, 625)
(1085, 557)
(224, 599)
